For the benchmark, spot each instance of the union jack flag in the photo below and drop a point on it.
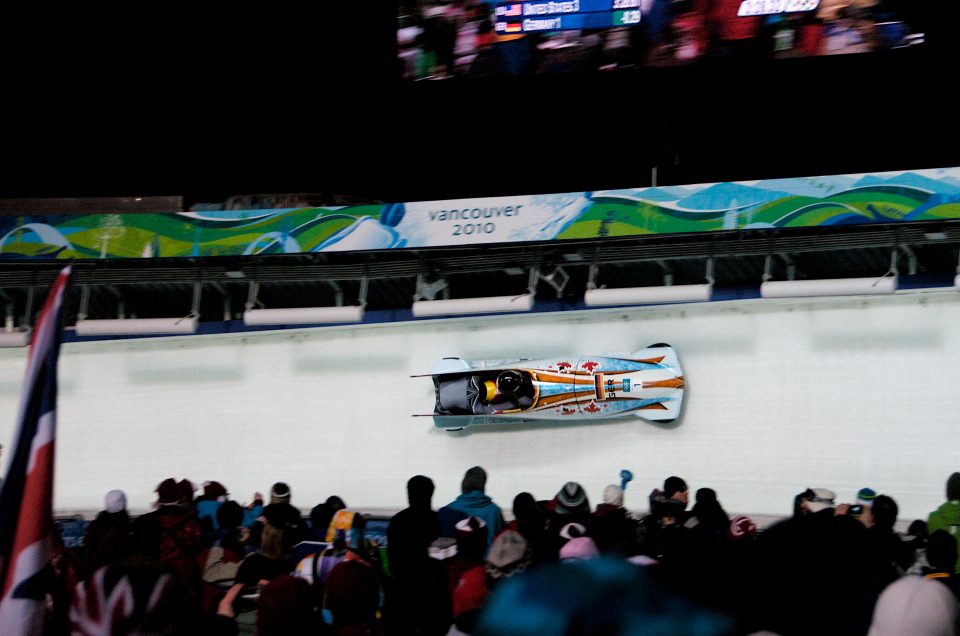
(26, 499)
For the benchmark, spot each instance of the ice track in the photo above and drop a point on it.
(781, 396)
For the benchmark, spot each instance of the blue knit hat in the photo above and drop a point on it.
(865, 496)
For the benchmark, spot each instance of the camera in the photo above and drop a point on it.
(855, 510)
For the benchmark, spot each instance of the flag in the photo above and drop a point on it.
(26, 498)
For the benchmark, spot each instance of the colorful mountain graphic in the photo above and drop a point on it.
(919, 195)
(912, 180)
(722, 196)
(816, 187)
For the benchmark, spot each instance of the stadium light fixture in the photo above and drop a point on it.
(828, 287)
(652, 295)
(873, 285)
(425, 305)
(137, 326)
(339, 313)
(484, 305)
(956, 279)
(10, 336)
(303, 315)
(664, 294)
(10, 339)
(181, 325)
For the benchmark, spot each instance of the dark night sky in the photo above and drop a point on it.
(213, 105)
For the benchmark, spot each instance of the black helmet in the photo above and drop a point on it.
(509, 381)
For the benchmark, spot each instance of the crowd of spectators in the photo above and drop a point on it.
(208, 564)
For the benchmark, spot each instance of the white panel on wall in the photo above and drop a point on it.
(782, 395)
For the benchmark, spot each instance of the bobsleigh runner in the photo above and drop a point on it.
(647, 384)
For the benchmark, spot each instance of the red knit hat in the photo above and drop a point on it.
(471, 591)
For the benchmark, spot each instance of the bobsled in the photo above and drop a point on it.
(648, 384)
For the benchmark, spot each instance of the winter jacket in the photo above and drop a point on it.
(171, 533)
(476, 504)
(947, 517)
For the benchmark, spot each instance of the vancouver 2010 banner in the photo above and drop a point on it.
(857, 199)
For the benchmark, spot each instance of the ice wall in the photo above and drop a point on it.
(782, 395)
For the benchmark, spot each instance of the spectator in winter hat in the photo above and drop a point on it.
(667, 511)
(669, 504)
(280, 493)
(282, 515)
(473, 502)
(914, 605)
(865, 496)
(170, 534)
(168, 492)
(572, 500)
(115, 501)
(612, 495)
(573, 531)
(708, 519)
(107, 539)
(947, 516)
(569, 505)
(213, 490)
(612, 527)
(814, 500)
(579, 548)
(862, 507)
(213, 496)
(568, 532)
(186, 491)
(322, 514)
(509, 555)
(474, 479)
(676, 488)
(471, 548)
(466, 573)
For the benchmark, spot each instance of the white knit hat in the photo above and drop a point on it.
(115, 501)
(613, 495)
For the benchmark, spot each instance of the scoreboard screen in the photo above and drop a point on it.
(439, 39)
(550, 15)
